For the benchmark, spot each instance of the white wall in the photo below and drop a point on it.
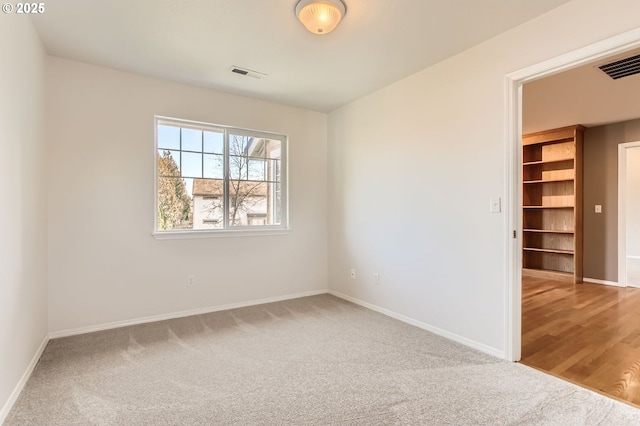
(412, 168)
(105, 266)
(23, 291)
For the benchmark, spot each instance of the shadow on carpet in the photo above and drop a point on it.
(312, 361)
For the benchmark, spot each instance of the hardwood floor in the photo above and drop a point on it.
(586, 333)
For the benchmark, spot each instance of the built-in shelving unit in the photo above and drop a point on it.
(552, 204)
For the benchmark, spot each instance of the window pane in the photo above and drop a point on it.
(273, 170)
(238, 167)
(213, 166)
(191, 164)
(214, 142)
(248, 203)
(168, 137)
(188, 182)
(238, 144)
(168, 163)
(191, 140)
(276, 206)
(208, 204)
(256, 147)
(256, 169)
(174, 204)
(273, 149)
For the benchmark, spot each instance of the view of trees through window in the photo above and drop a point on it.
(217, 178)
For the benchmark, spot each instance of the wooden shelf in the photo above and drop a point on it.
(552, 203)
(549, 180)
(561, 134)
(548, 231)
(555, 160)
(547, 207)
(544, 250)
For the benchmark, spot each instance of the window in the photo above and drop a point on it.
(218, 178)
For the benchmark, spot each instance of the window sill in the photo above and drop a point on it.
(184, 235)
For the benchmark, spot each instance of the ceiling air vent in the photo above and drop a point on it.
(247, 73)
(622, 68)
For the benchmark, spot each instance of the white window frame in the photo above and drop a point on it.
(282, 228)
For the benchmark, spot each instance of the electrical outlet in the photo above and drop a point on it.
(376, 278)
(353, 274)
(191, 280)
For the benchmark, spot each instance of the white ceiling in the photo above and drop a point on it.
(197, 41)
(583, 95)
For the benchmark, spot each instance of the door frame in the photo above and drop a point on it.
(622, 210)
(513, 183)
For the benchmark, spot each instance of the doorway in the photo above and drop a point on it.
(567, 356)
(629, 214)
(514, 82)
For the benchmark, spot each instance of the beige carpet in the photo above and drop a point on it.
(312, 361)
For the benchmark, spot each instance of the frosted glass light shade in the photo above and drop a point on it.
(320, 16)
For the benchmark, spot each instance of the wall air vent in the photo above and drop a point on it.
(622, 68)
(247, 73)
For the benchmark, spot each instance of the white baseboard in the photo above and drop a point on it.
(181, 314)
(596, 281)
(23, 381)
(435, 330)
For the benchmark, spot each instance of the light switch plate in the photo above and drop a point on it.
(495, 205)
(598, 208)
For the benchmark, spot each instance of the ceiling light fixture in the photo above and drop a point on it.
(320, 16)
